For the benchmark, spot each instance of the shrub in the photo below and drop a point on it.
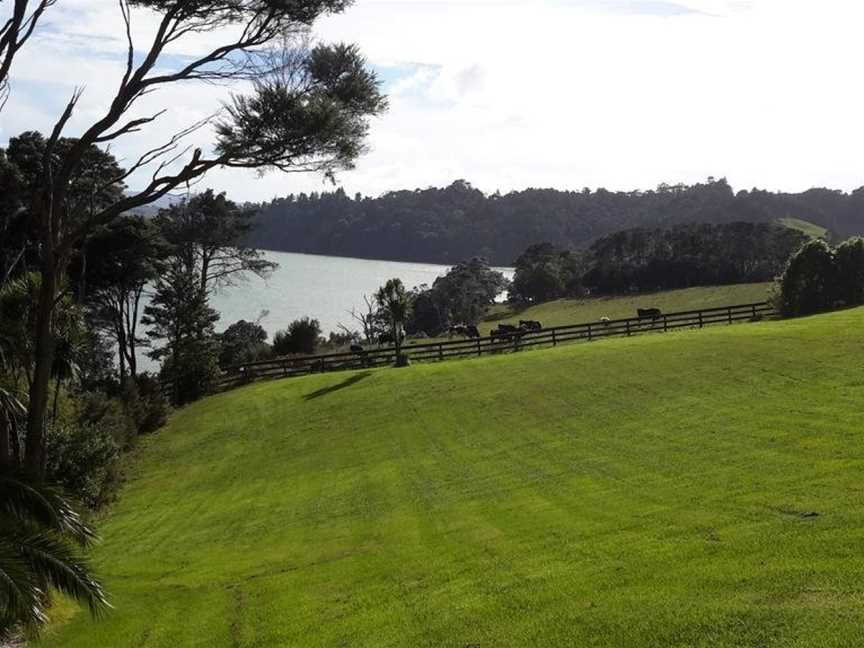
(302, 336)
(849, 258)
(83, 459)
(809, 282)
(146, 403)
(243, 342)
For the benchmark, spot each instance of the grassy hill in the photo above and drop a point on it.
(810, 229)
(576, 311)
(701, 488)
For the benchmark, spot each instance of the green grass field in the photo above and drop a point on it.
(577, 311)
(694, 489)
(810, 229)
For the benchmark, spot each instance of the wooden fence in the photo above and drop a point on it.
(287, 367)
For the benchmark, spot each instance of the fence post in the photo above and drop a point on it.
(284, 369)
(554, 339)
(665, 324)
(628, 328)
(701, 325)
(440, 352)
(590, 337)
(754, 311)
(730, 314)
(479, 348)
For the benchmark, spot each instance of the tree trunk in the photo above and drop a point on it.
(5, 445)
(56, 397)
(41, 386)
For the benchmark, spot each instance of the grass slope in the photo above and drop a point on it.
(810, 229)
(577, 311)
(651, 491)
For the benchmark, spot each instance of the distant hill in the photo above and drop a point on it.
(450, 224)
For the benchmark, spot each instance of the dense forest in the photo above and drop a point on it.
(459, 222)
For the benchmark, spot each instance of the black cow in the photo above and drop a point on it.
(507, 332)
(649, 313)
(530, 325)
(385, 338)
(472, 332)
(356, 348)
(457, 330)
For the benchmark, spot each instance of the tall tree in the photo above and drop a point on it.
(395, 301)
(207, 234)
(181, 326)
(119, 262)
(307, 111)
(15, 30)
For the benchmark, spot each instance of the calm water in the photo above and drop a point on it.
(324, 288)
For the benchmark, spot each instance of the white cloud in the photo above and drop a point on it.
(519, 93)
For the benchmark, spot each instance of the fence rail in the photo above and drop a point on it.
(286, 367)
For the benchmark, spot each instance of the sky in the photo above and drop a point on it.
(509, 94)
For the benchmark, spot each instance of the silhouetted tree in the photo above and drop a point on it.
(809, 283)
(119, 262)
(306, 110)
(394, 300)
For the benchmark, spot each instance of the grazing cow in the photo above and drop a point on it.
(530, 325)
(649, 313)
(356, 348)
(457, 330)
(472, 332)
(507, 332)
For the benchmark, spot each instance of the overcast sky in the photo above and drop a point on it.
(622, 94)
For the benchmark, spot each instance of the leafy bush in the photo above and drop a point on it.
(83, 459)
(302, 336)
(849, 258)
(243, 342)
(544, 273)
(147, 404)
(809, 284)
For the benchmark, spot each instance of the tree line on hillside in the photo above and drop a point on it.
(819, 278)
(650, 260)
(447, 225)
(74, 266)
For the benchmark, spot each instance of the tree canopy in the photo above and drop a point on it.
(447, 225)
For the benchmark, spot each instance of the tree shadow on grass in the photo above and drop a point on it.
(348, 382)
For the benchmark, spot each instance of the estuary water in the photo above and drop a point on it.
(321, 287)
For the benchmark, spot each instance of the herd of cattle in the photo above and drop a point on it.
(509, 332)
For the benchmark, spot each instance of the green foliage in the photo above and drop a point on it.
(849, 257)
(181, 326)
(641, 493)
(809, 284)
(42, 543)
(301, 336)
(544, 273)
(689, 255)
(83, 458)
(147, 404)
(116, 265)
(394, 301)
(20, 174)
(243, 342)
(461, 296)
(446, 224)
(319, 111)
